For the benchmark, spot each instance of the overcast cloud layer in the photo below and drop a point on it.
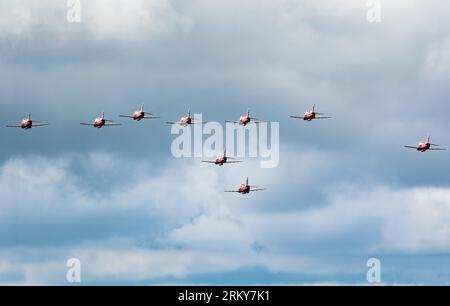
(345, 189)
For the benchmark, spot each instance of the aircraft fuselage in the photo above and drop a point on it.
(244, 189)
(244, 120)
(99, 123)
(26, 124)
(309, 116)
(138, 115)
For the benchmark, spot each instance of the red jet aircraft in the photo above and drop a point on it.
(185, 121)
(222, 159)
(140, 114)
(245, 119)
(101, 122)
(28, 123)
(246, 188)
(425, 145)
(311, 115)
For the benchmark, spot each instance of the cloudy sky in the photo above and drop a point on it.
(345, 189)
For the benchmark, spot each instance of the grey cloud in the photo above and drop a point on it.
(384, 84)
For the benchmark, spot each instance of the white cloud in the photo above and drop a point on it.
(437, 63)
(14, 21)
(205, 231)
(411, 220)
(104, 21)
(131, 21)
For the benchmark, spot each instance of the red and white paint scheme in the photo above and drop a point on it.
(101, 122)
(245, 188)
(245, 119)
(311, 115)
(28, 123)
(222, 159)
(185, 121)
(140, 115)
(426, 145)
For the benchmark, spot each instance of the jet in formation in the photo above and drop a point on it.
(245, 119)
(101, 122)
(426, 145)
(311, 115)
(186, 120)
(222, 159)
(28, 123)
(245, 188)
(140, 115)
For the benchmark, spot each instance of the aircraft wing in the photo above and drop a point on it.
(151, 117)
(258, 189)
(235, 122)
(437, 149)
(126, 116)
(208, 161)
(234, 162)
(88, 124)
(296, 117)
(202, 122)
(113, 124)
(13, 126)
(231, 191)
(41, 124)
(411, 147)
(323, 117)
(171, 122)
